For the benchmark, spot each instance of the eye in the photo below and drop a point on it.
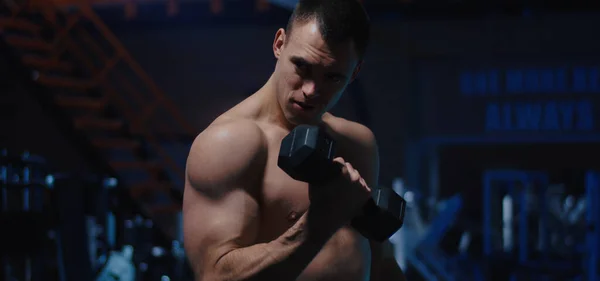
(301, 67)
(334, 78)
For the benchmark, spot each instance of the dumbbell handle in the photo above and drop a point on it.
(370, 210)
(306, 155)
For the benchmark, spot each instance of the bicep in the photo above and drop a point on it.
(220, 208)
(365, 154)
(212, 228)
(372, 165)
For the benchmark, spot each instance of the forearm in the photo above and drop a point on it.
(390, 271)
(281, 259)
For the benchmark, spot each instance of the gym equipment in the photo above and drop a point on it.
(98, 214)
(537, 231)
(27, 219)
(179, 263)
(520, 186)
(306, 154)
(592, 256)
(164, 262)
(71, 226)
(430, 258)
(87, 222)
(154, 258)
(427, 257)
(119, 267)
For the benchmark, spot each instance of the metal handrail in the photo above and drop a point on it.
(50, 8)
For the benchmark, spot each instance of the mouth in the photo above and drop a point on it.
(304, 106)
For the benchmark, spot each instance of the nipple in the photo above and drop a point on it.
(293, 216)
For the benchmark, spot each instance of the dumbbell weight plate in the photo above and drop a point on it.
(382, 216)
(306, 155)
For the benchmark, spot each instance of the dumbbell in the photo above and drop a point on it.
(306, 154)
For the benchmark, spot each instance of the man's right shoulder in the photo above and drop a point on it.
(227, 151)
(224, 132)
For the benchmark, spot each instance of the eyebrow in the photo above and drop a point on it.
(301, 60)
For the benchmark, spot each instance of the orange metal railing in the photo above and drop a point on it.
(144, 109)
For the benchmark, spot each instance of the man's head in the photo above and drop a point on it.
(318, 55)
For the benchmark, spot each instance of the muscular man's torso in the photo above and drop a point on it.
(345, 257)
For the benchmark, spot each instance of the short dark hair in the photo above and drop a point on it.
(339, 21)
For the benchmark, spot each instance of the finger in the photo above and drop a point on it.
(350, 167)
(354, 175)
(365, 185)
(342, 163)
(339, 160)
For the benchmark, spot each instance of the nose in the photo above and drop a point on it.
(309, 89)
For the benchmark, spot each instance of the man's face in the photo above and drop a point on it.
(311, 75)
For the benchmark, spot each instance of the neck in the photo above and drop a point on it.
(270, 109)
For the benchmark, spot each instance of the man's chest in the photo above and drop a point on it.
(283, 199)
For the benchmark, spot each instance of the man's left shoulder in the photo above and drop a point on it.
(356, 144)
(352, 133)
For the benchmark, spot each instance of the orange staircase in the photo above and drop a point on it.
(110, 98)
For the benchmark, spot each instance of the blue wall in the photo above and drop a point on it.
(542, 97)
(421, 78)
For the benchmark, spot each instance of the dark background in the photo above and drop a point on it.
(409, 91)
(409, 87)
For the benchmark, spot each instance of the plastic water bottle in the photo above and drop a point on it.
(119, 267)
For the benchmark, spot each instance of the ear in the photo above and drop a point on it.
(279, 42)
(356, 71)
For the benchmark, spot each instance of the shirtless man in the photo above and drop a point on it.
(246, 219)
